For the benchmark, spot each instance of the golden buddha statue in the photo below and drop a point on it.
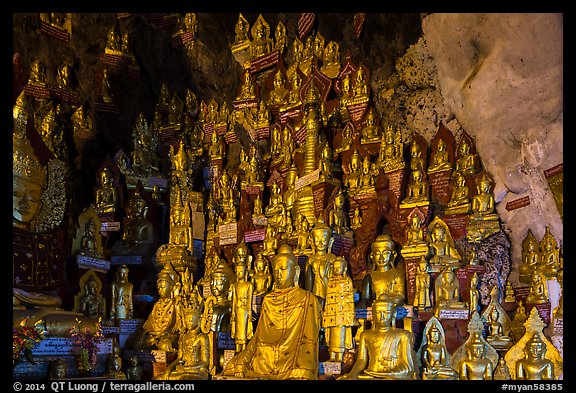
(338, 313)
(37, 74)
(106, 93)
(495, 334)
(126, 47)
(436, 360)
(160, 328)
(297, 51)
(241, 257)
(216, 151)
(367, 177)
(391, 155)
(258, 211)
(113, 42)
(501, 372)
(416, 159)
(338, 217)
(261, 43)
(361, 90)
(331, 60)
(121, 302)
(475, 366)
(106, 199)
(442, 249)
(289, 331)
(241, 316)
(518, 322)
(538, 289)
(114, 370)
(193, 359)
(294, 94)
(279, 95)
(447, 291)
(346, 96)
(385, 278)
(509, 296)
(530, 257)
(535, 366)
(474, 294)
(371, 130)
(415, 243)
(270, 241)
(466, 161)
(90, 241)
(276, 209)
(262, 279)
(138, 235)
(558, 312)
(247, 91)
(319, 265)
(280, 38)
(305, 63)
(91, 302)
(440, 160)
(549, 255)
(221, 279)
(356, 219)
(304, 241)
(354, 176)
(326, 165)
(422, 286)
(64, 76)
(384, 352)
(241, 40)
(483, 201)
(416, 191)
(459, 202)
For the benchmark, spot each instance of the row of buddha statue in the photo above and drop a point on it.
(279, 273)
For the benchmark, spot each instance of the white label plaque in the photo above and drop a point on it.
(99, 265)
(454, 314)
(129, 326)
(66, 346)
(228, 354)
(330, 368)
(307, 179)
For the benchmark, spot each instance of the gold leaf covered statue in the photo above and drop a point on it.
(262, 279)
(106, 194)
(534, 357)
(338, 314)
(371, 131)
(241, 40)
(538, 289)
(459, 202)
(391, 156)
(338, 217)
(440, 161)
(114, 370)
(221, 281)
(91, 303)
(483, 202)
(465, 161)
(498, 322)
(261, 43)
(386, 278)
(331, 60)
(241, 316)
(193, 359)
(417, 190)
(319, 264)
(549, 255)
(384, 351)
(138, 234)
(436, 361)
(415, 244)
(285, 342)
(447, 291)
(121, 303)
(279, 95)
(530, 257)
(422, 286)
(441, 245)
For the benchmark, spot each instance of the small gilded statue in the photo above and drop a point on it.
(354, 176)
(356, 219)
(391, 155)
(338, 217)
(320, 262)
(538, 289)
(92, 302)
(193, 359)
(483, 202)
(384, 352)
(261, 43)
(121, 304)
(371, 130)
(262, 279)
(241, 40)
(417, 190)
(241, 316)
(441, 245)
(440, 161)
(415, 244)
(436, 360)
(338, 314)
(138, 235)
(279, 95)
(475, 366)
(466, 161)
(114, 370)
(530, 257)
(422, 286)
(106, 194)
(292, 332)
(447, 291)
(331, 60)
(535, 366)
(495, 334)
(386, 278)
(90, 242)
(502, 372)
(474, 294)
(549, 255)
(360, 90)
(221, 280)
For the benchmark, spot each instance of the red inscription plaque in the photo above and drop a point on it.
(305, 23)
(518, 203)
(253, 190)
(300, 136)
(254, 236)
(231, 137)
(182, 39)
(440, 184)
(106, 107)
(70, 97)
(169, 135)
(357, 111)
(241, 104)
(167, 22)
(263, 133)
(321, 193)
(221, 129)
(411, 265)
(208, 130)
(395, 185)
(37, 91)
(521, 293)
(54, 32)
(554, 170)
(264, 62)
(290, 113)
(457, 225)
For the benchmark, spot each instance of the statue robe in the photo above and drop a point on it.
(285, 342)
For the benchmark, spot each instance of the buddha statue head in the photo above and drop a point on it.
(535, 348)
(284, 267)
(383, 252)
(241, 256)
(29, 182)
(321, 236)
(383, 311)
(221, 278)
(166, 281)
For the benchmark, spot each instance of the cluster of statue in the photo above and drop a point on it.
(278, 290)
